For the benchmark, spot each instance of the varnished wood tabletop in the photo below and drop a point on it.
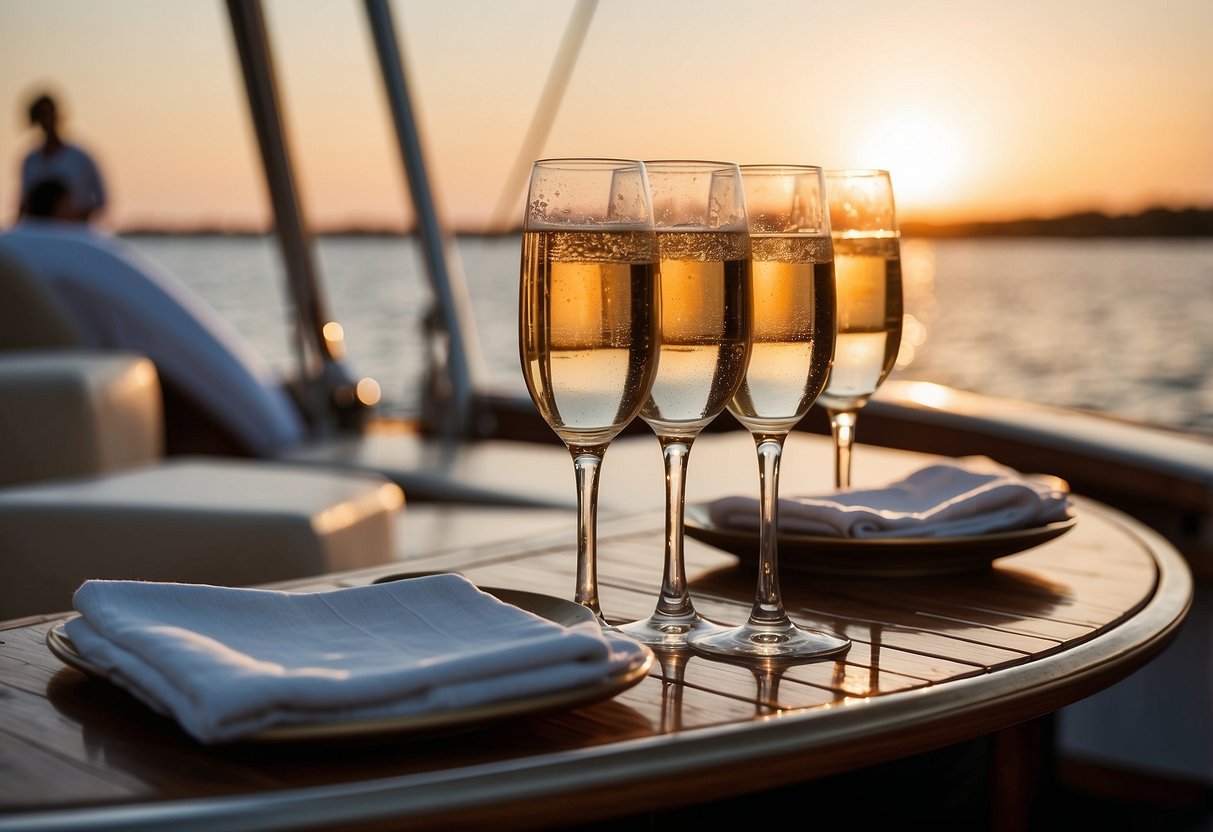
(933, 661)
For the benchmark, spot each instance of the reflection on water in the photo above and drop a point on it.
(1113, 325)
(918, 290)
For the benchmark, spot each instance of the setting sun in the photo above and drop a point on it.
(925, 158)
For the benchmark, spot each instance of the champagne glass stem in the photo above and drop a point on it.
(768, 603)
(674, 619)
(768, 634)
(842, 424)
(675, 598)
(586, 465)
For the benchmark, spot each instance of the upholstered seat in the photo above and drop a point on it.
(196, 520)
(86, 493)
(68, 413)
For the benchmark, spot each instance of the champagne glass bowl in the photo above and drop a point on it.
(867, 270)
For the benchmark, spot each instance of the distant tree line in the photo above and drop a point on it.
(1155, 222)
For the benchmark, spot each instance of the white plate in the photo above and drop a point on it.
(549, 607)
(875, 557)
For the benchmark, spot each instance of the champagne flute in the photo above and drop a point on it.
(867, 272)
(793, 330)
(703, 240)
(589, 318)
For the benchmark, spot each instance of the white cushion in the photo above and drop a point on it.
(68, 413)
(223, 522)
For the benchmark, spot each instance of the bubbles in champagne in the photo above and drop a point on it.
(703, 246)
(601, 246)
(792, 248)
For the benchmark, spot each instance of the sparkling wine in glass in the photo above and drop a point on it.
(589, 318)
(703, 241)
(867, 271)
(792, 335)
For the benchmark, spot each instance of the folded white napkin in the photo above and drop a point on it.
(968, 496)
(227, 662)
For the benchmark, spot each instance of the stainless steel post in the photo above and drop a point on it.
(452, 385)
(320, 373)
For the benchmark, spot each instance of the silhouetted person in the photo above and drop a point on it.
(61, 161)
(48, 200)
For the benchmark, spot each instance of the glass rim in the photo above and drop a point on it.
(778, 168)
(855, 173)
(588, 163)
(705, 164)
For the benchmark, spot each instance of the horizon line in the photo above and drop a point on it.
(1159, 220)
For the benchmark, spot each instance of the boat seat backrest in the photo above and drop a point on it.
(30, 317)
(112, 298)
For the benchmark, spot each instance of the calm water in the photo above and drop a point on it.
(1122, 326)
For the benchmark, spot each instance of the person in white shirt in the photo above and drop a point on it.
(64, 162)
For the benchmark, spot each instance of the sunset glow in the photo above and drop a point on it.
(980, 111)
(926, 159)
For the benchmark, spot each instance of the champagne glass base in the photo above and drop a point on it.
(784, 641)
(669, 631)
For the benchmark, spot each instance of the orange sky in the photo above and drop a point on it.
(981, 110)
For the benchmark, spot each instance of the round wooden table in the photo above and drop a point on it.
(935, 660)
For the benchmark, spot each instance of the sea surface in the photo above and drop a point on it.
(1113, 325)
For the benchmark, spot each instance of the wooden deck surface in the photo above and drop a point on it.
(934, 660)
